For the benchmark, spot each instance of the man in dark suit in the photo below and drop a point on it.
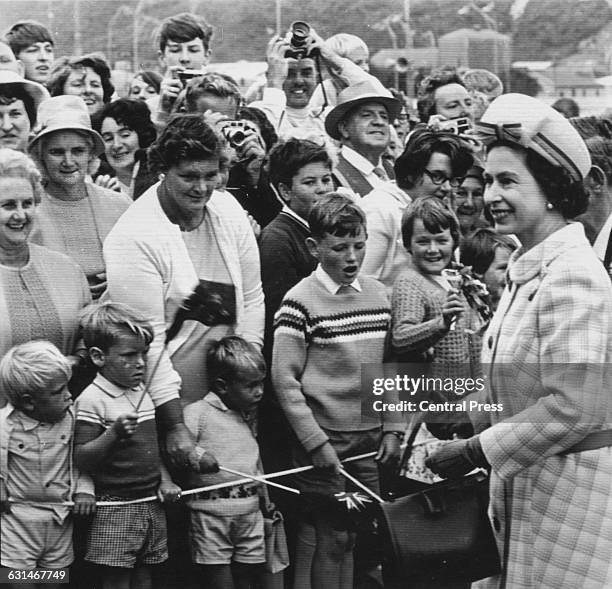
(360, 121)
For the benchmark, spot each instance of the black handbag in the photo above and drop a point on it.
(440, 534)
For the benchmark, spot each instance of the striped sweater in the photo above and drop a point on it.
(320, 341)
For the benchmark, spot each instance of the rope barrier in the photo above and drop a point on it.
(233, 483)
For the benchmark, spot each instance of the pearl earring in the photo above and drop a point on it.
(550, 206)
(162, 177)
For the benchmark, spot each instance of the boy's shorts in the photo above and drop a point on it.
(346, 444)
(319, 486)
(124, 535)
(218, 539)
(32, 538)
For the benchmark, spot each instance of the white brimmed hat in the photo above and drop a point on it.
(528, 122)
(370, 90)
(36, 91)
(65, 113)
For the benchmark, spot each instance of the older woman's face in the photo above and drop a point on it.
(66, 156)
(14, 125)
(469, 202)
(140, 90)
(120, 143)
(514, 197)
(17, 208)
(87, 84)
(190, 184)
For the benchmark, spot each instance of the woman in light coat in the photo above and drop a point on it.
(546, 354)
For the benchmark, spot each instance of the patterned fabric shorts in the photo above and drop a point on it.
(128, 534)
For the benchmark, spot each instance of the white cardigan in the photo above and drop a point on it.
(148, 267)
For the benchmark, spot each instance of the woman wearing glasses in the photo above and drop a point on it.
(433, 164)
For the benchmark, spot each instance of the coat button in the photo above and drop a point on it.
(496, 524)
(490, 342)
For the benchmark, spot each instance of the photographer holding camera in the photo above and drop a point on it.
(293, 74)
(217, 97)
(184, 51)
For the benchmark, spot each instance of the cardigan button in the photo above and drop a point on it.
(490, 342)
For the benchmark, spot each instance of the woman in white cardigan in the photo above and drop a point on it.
(180, 234)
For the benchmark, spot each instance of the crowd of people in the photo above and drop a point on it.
(193, 276)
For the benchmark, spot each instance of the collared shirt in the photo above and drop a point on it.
(331, 285)
(364, 166)
(39, 458)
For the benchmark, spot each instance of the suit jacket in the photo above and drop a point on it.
(347, 175)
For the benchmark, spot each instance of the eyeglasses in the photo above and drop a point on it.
(440, 178)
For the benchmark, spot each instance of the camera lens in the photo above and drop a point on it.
(299, 33)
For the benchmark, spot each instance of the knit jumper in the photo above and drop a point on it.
(320, 341)
(42, 300)
(78, 228)
(417, 325)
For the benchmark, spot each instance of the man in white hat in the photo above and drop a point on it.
(19, 100)
(291, 80)
(361, 122)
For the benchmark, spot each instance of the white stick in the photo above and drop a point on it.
(259, 480)
(361, 486)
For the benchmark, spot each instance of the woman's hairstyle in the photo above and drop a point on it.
(344, 43)
(567, 196)
(434, 214)
(186, 137)
(478, 248)
(184, 27)
(253, 114)
(600, 149)
(15, 164)
(426, 95)
(219, 85)
(567, 107)
(422, 143)
(589, 127)
(9, 93)
(63, 66)
(229, 356)
(103, 324)
(335, 214)
(288, 157)
(150, 78)
(133, 114)
(29, 369)
(25, 33)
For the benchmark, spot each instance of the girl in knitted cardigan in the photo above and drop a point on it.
(432, 322)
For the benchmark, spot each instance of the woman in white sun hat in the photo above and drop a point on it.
(545, 356)
(75, 215)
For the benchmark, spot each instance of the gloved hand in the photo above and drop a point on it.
(457, 458)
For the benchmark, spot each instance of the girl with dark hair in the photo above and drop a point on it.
(145, 84)
(87, 76)
(126, 129)
(545, 355)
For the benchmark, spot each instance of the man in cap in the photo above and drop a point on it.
(361, 122)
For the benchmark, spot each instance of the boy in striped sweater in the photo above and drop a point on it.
(327, 326)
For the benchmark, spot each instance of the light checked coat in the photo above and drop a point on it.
(545, 355)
